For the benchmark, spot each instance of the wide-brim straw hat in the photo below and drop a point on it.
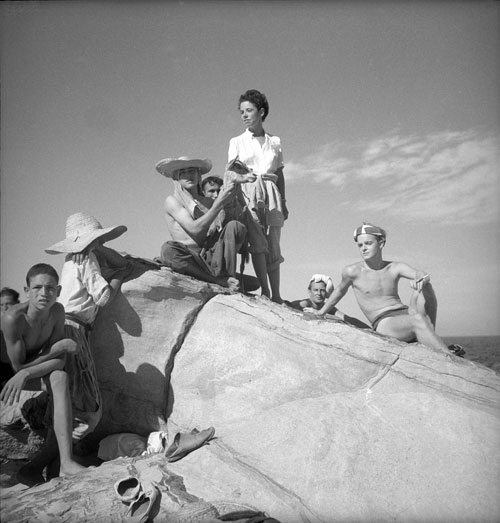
(81, 230)
(168, 166)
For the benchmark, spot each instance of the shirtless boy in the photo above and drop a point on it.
(36, 347)
(375, 284)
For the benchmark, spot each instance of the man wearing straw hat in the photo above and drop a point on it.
(91, 276)
(198, 248)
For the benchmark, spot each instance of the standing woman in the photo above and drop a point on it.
(265, 197)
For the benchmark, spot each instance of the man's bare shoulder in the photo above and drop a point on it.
(15, 318)
(171, 203)
(57, 311)
(352, 271)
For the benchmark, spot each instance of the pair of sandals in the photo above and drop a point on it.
(139, 496)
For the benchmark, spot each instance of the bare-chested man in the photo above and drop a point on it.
(36, 348)
(375, 284)
(197, 247)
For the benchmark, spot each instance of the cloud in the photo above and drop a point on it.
(449, 176)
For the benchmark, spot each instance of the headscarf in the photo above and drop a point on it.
(368, 228)
(316, 278)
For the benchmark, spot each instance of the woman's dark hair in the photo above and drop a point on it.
(256, 98)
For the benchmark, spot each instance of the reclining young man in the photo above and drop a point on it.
(375, 284)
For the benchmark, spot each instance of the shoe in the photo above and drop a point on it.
(128, 489)
(458, 350)
(140, 509)
(186, 442)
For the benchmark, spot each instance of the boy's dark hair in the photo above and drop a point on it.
(256, 98)
(7, 291)
(41, 268)
(211, 179)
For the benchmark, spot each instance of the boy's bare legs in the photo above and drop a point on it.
(407, 328)
(260, 268)
(59, 383)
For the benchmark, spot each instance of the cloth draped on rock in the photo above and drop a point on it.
(217, 256)
(84, 388)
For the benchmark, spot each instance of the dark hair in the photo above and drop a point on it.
(7, 291)
(256, 98)
(41, 268)
(212, 179)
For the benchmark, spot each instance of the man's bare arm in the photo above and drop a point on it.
(419, 277)
(198, 229)
(337, 294)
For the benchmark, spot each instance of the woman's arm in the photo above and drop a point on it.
(280, 183)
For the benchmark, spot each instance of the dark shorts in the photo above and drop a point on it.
(389, 314)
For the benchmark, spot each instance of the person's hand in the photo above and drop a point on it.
(284, 208)
(316, 312)
(227, 192)
(419, 282)
(11, 391)
(80, 257)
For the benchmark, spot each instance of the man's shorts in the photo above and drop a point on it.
(389, 314)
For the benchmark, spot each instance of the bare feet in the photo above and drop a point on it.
(71, 468)
(277, 300)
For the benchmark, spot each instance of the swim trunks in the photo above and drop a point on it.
(389, 314)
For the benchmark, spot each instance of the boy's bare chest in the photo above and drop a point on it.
(37, 333)
(375, 283)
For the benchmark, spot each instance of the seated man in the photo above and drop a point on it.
(91, 277)
(211, 186)
(198, 248)
(34, 335)
(320, 287)
(375, 284)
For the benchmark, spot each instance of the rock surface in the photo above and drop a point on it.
(315, 420)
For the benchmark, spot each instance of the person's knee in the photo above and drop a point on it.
(420, 321)
(68, 345)
(236, 229)
(58, 379)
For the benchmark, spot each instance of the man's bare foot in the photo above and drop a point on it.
(277, 300)
(30, 475)
(71, 468)
(233, 284)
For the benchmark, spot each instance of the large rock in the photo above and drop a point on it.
(315, 420)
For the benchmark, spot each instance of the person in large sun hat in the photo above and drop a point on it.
(91, 277)
(199, 248)
(81, 230)
(375, 284)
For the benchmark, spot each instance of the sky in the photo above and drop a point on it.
(388, 112)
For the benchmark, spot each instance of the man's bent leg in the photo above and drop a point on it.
(407, 328)
(59, 384)
(224, 252)
(425, 302)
